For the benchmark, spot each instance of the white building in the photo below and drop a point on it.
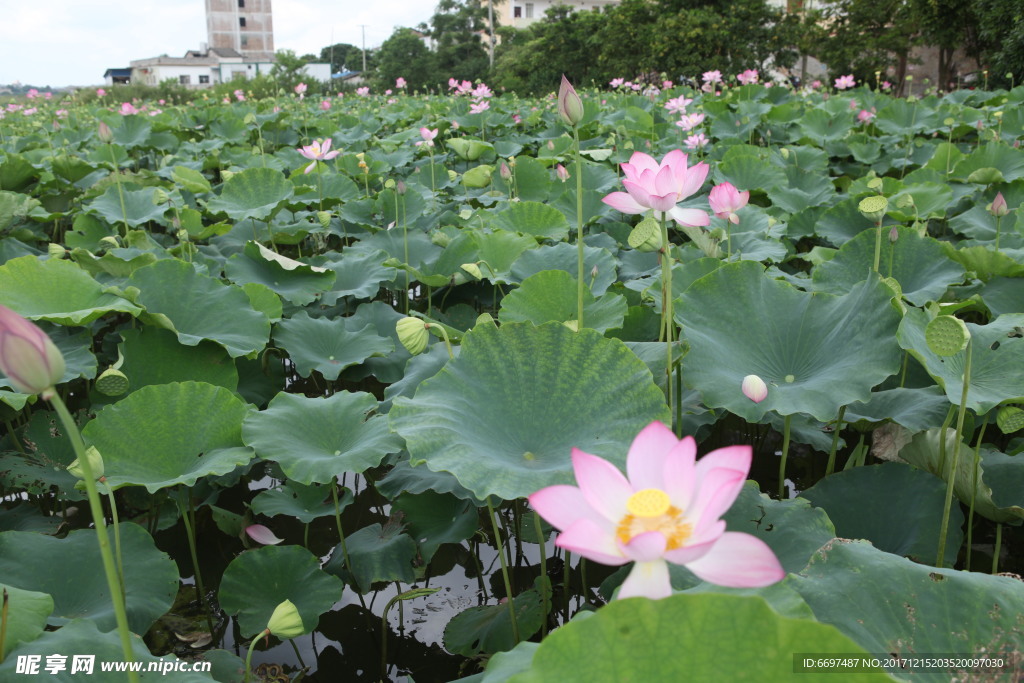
(198, 68)
(520, 14)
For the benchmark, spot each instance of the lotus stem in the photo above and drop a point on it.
(835, 442)
(566, 576)
(666, 313)
(942, 438)
(341, 534)
(974, 491)
(188, 518)
(956, 455)
(504, 570)
(997, 548)
(248, 655)
(120, 190)
(118, 557)
(999, 219)
(96, 507)
(785, 455)
(579, 231)
(3, 624)
(543, 547)
(878, 244)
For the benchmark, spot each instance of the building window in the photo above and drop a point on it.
(245, 41)
(241, 3)
(517, 12)
(241, 22)
(204, 79)
(184, 79)
(529, 10)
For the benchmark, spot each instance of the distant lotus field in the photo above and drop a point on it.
(655, 383)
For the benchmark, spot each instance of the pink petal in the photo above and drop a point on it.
(647, 580)
(739, 560)
(697, 546)
(665, 181)
(675, 159)
(325, 146)
(679, 474)
(602, 485)
(310, 167)
(585, 537)
(561, 506)
(645, 463)
(330, 155)
(622, 201)
(716, 493)
(643, 162)
(731, 457)
(695, 177)
(638, 192)
(645, 547)
(262, 534)
(692, 217)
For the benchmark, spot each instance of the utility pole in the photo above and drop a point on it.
(363, 26)
(490, 26)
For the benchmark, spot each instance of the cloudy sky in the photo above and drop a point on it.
(72, 42)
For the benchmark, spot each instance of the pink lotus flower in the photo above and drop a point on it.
(815, 85)
(712, 76)
(32, 362)
(726, 200)
(100, 92)
(562, 174)
(864, 116)
(886, 86)
(650, 185)
(696, 141)
(678, 105)
(690, 121)
(325, 105)
(754, 388)
(844, 82)
(240, 95)
(479, 107)
(748, 77)
(300, 88)
(363, 92)
(428, 136)
(668, 510)
(667, 85)
(616, 82)
(998, 206)
(318, 151)
(481, 91)
(127, 108)
(400, 82)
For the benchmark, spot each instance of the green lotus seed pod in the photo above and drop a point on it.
(412, 332)
(875, 184)
(1010, 419)
(159, 196)
(95, 463)
(452, 175)
(947, 335)
(286, 622)
(55, 250)
(324, 217)
(646, 236)
(474, 270)
(249, 118)
(389, 184)
(873, 208)
(112, 382)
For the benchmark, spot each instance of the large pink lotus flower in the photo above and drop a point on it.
(650, 185)
(844, 82)
(479, 107)
(668, 510)
(678, 105)
(428, 135)
(318, 151)
(726, 200)
(127, 109)
(712, 76)
(748, 77)
(696, 142)
(32, 362)
(400, 82)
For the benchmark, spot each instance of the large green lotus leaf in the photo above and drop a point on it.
(26, 517)
(14, 205)
(404, 478)
(152, 355)
(197, 307)
(253, 193)
(985, 263)
(551, 295)
(257, 581)
(132, 131)
(533, 218)
(916, 409)
(488, 628)
(727, 637)
(383, 318)
(82, 636)
(71, 571)
(565, 257)
(377, 553)
(864, 501)
(296, 282)
(904, 608)
(44, 465)
(327, 345)
(997, 360)
(57, 291)
(816, 352)
(504, 416)
(1005, 159)
(930, 201)
(842, 223)
(317, 439)
(434, 519)
(801, 189)
(357, 274)
(504, 665)
(918, 263)
(496, 252)
(750, 172)
(1004, 295)
(305, 503)
(925, 451)
(27, 612)
(139, 207)
(169, 434)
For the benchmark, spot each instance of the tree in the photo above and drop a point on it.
(342, 56)
(866, 36)
(287, 69)
(457, 28)
(405, 55)
(1001, 39)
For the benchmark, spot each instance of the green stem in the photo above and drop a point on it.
(96, 508)
(974, 491)
(118, 557)
(248, 655)
(543, 546)
(579, 230)
(667, 313)
(835, 442)
(999, 220)
(998, 547)
(785, 455)
(951, 473)
(878, 244)
(120, 190)
(188, 518)
(942, 437)
(566, 576)
(504, 571)
(3, 624)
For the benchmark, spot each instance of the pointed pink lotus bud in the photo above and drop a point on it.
(504, 171)
(570, 107)
(998, 206)
(754, 388)
(31, 361)
(562, 174)
(726, 200)
(105, 134)
(262, 534)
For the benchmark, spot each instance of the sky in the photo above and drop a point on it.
(72, 42)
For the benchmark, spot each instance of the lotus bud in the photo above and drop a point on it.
(400, 188)
(55, 250)
(754, 388)
(104, 133)
(474, 270)
(412, 332)
(504, 171)
(324, 217)
(873, 208)
(562, 174)
(286, 622)
(181, 234)
(570, 107)
(998, 206)
(593, 272)
(95, 464)
(112, 382)
(894, 234)
(32, 362)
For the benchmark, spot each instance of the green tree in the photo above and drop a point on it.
(457, 27)
(1001, 39)
(865, 36)
(342, 56)
(287, 69)
(405, 55)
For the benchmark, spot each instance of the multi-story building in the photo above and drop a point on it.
(520, 14)
(245, 26)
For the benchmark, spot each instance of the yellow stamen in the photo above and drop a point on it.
(652, 510)
(648, 503)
